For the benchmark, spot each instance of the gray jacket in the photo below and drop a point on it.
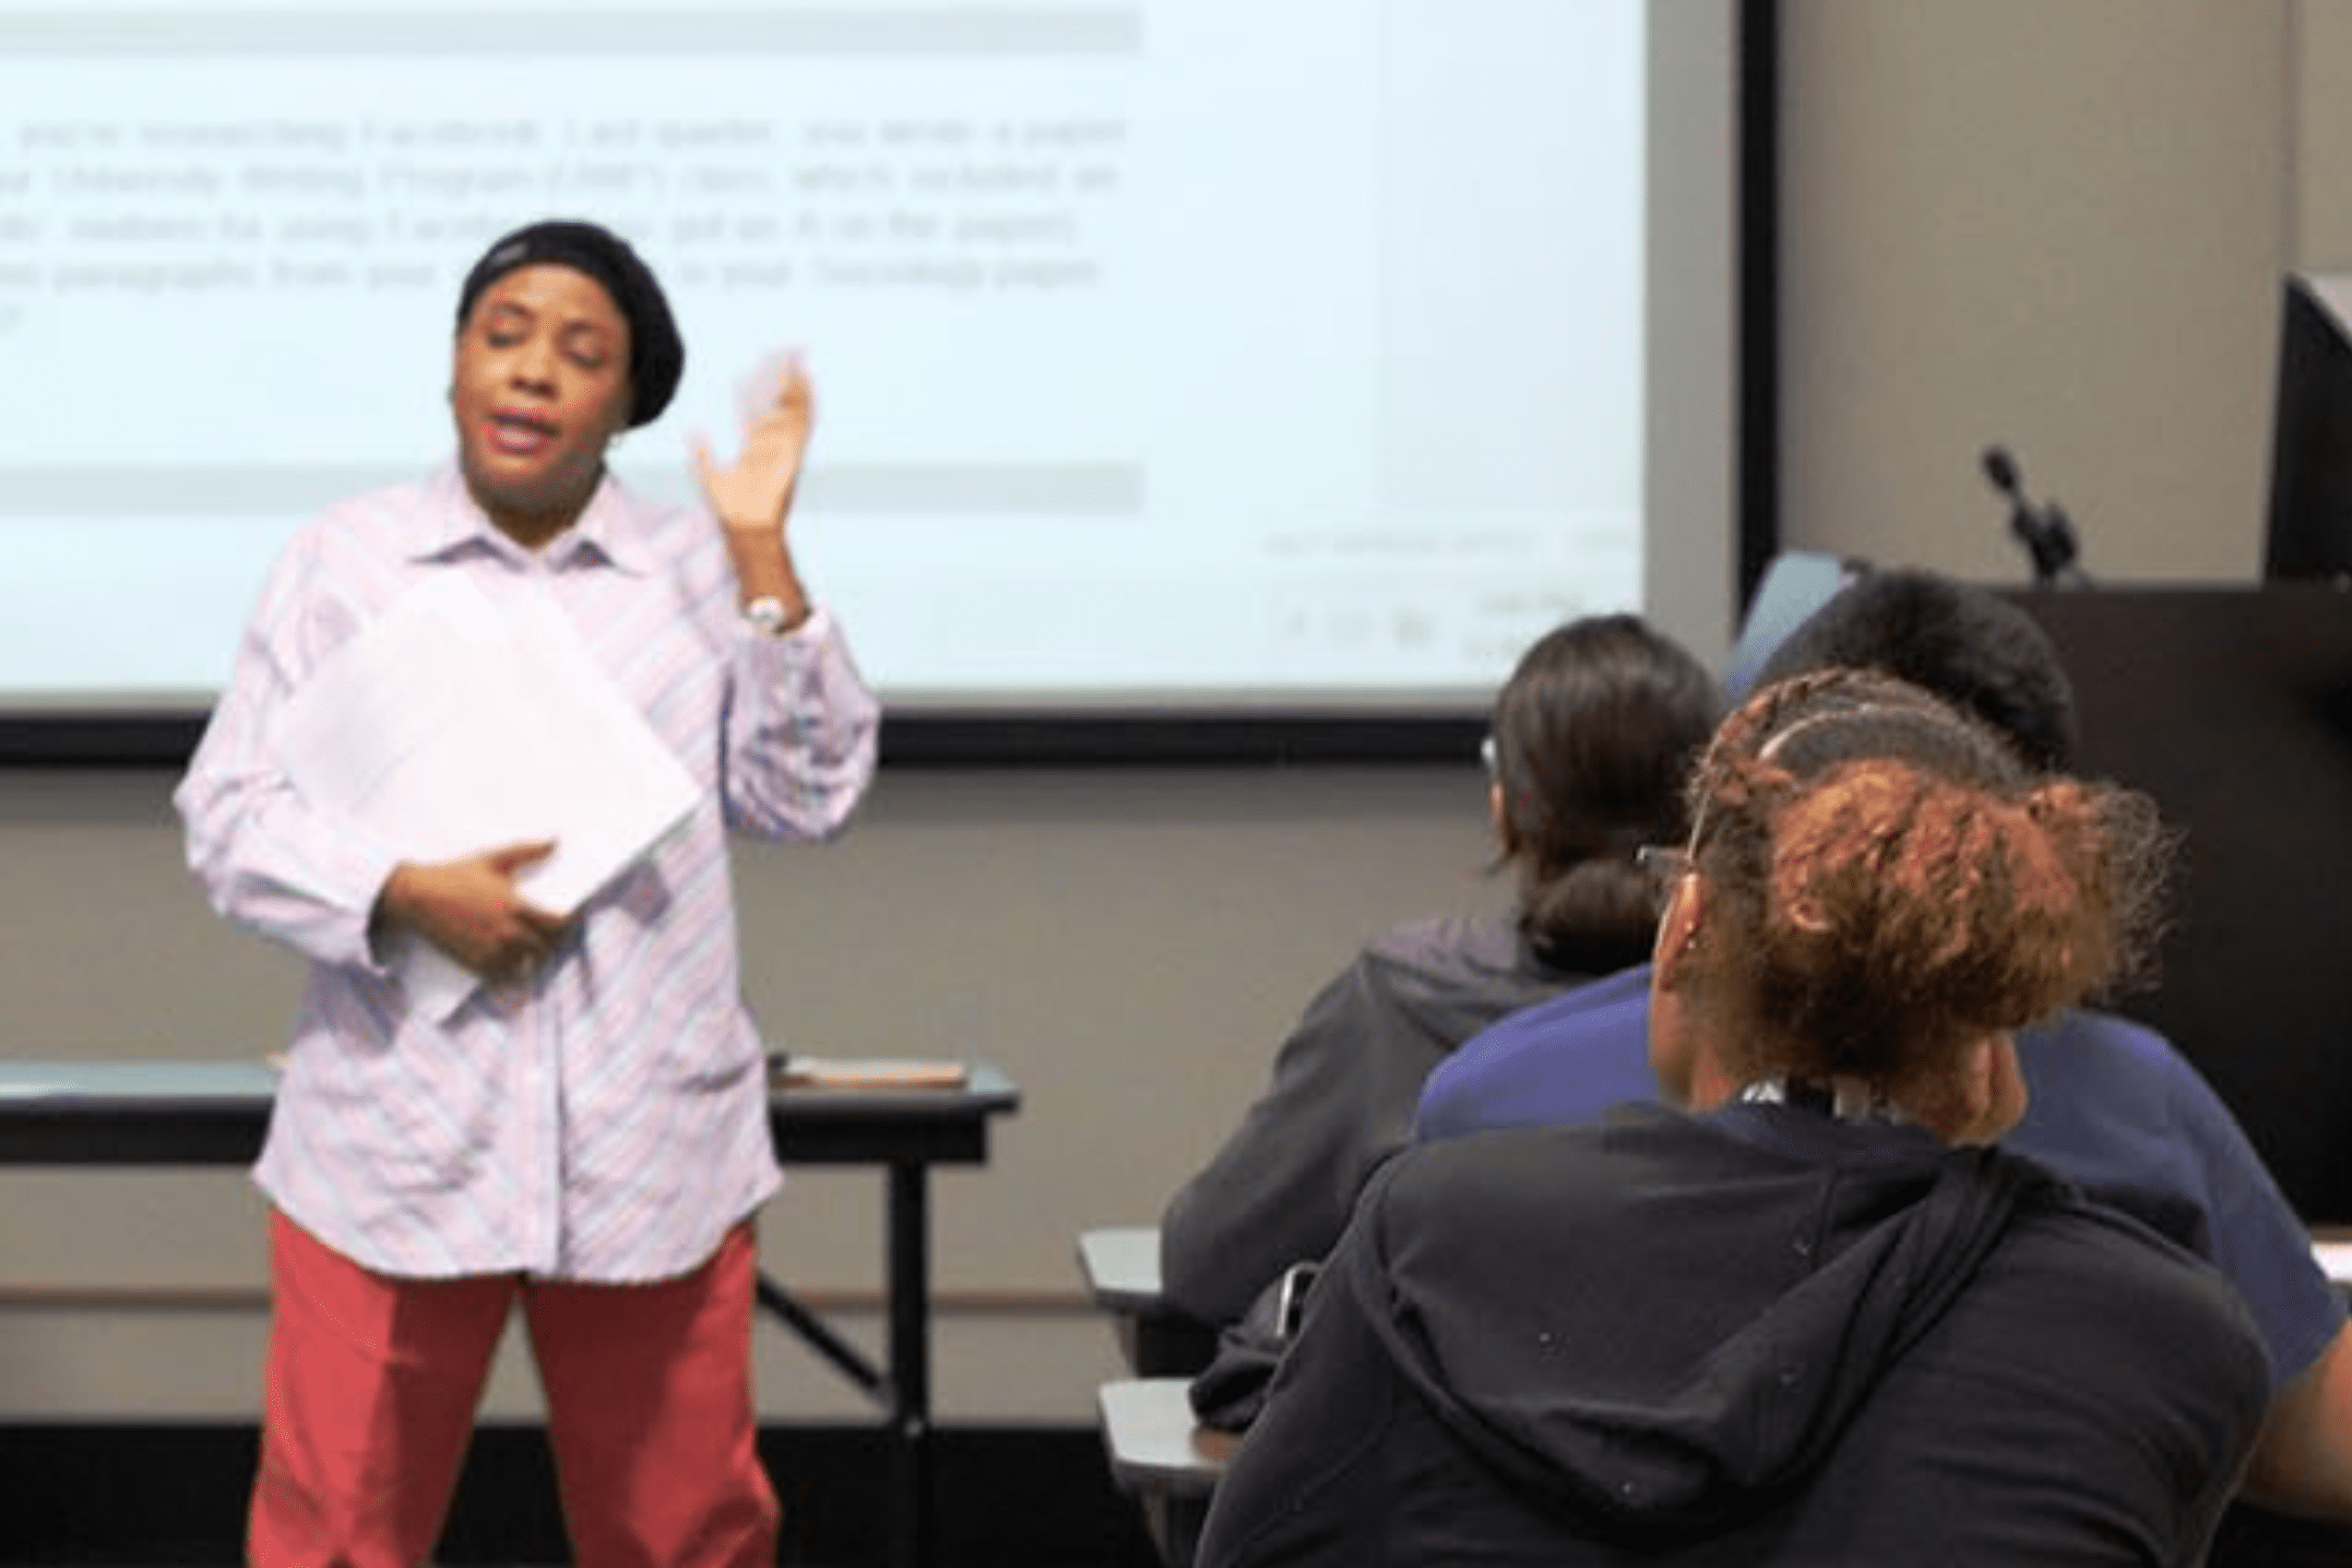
(1342, 1098)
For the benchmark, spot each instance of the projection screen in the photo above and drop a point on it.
(1175, 359)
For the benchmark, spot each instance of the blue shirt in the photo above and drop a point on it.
(2113, 1107)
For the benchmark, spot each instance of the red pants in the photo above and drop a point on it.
(373, 1383)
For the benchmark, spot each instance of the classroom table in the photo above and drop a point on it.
(215, 1112)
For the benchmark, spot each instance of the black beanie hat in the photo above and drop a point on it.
(657, 355)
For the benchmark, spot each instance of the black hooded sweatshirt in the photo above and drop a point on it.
(1756, 1337)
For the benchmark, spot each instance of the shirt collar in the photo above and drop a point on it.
(456, 522)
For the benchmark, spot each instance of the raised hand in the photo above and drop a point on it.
(755, 492)
(752, 497)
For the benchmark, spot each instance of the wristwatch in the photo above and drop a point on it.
(767, 614)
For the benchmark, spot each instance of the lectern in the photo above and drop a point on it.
(2233, 707)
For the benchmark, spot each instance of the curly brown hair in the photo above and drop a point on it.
(1884, 882)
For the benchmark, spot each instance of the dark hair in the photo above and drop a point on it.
(657, 355)
(1594, 733)
(1964, 644)
(1886, 880)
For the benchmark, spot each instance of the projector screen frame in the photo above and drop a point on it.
(1220, 736)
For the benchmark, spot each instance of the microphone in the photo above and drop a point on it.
(2045, 530)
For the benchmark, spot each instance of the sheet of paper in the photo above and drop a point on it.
(451, 725)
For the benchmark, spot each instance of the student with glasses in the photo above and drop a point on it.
(1820, 1317)
(2115, 1108)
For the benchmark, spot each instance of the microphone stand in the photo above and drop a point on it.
(2046, 531)
(2048, 537)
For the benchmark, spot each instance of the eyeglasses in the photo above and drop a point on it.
(1663, 865)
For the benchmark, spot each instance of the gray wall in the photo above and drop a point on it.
(2057, 226)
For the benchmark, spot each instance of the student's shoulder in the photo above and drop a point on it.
(2081, 1051)
(1553, 1166)
(2107, 1035)
(1599, 1011)
(1521, 1201)
(1479, 956)
(2101, 1254)
(1485, 940)
(1567, 1059)
(2147, 1344)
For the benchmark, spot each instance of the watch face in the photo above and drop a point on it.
(767, 614)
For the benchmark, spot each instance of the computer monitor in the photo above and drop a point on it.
(2310, 532)
(1798, 583)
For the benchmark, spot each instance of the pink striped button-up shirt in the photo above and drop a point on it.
(606, 1120)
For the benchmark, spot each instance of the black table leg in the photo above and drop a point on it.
(911, 1539)
(819, 1336)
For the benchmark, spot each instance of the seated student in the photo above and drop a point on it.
(2113, 1106)
(1822, 1319)
(1591, 737)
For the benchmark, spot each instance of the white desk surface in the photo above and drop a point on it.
(2332, 1248)
(1155, 1442)
(1122, 1265)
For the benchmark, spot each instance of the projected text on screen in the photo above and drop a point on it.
(1182, 351)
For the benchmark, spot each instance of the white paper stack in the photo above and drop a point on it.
(451, 725)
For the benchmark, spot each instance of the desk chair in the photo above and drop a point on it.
(1158, 1454)
(1164, 1458)
(2331, 1246)
(1122, 1268)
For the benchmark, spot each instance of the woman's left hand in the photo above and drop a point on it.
(754, 494)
